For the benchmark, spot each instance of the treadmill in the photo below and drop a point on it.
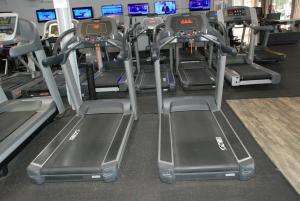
(262, 52)
(110, 75)
(193, 71)
(91, 145)
(196, 141)
(39, 88)
(240, 69)
(21, 118)
(145, 80)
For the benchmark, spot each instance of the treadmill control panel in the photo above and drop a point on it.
(187, 25)
(53, 30)
(150, 23)
(8, 26)
(95, 30)
(237, 14)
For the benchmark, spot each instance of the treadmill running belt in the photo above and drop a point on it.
(195, 145)
(187, 56)
(109, 78)
(148, 80)
(11, 121)
(85, 146)
(194, 76)
(265, 54)
(42, 86)
(248, 72)
(16, 81)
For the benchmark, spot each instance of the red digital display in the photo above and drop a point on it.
(97, 26)
(186, 22)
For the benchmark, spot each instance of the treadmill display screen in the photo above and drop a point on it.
(187, 23)
(5, 20)
(165, 7)
(198, 5)
(96, 29)
(112, 10)
(54, 30)
(45, 15)
(82, 13)
(236, 12)
(138, 9)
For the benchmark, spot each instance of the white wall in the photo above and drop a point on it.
(26, 8)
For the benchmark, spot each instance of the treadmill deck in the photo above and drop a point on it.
(10, 121)
(249, 72)
(196, 75)
(195, 146)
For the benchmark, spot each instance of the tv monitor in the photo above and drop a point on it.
(138, 9)
(165, 7)
(45, 15)
(199, 5)
(112, 10)
(81, 13)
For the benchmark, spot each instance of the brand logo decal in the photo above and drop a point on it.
(221, 143)
(74, 135)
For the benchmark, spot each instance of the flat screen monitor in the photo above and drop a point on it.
(198, 5)
(138, 9)
(165, 7)
(45, 15)
(112, 10)
(83, 13)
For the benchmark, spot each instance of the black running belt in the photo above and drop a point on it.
(16, 81)
(11, 121)
(268, 55)
(185, 55)
(248, 72)
(146, 78)
(86, 145)
(193, 74)
(195, 143)
(109, 78)
(42, 86)
(114, 65)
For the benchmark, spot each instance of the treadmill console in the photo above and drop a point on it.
(150, 23)
(237, 14)
(95, 30)
(187, 25)
(8, 27)
(53, 30)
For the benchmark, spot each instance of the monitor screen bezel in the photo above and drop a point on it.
(44, 10)
(86, 7)
(165, 13)
(198, 9)
(112, 5)
(128, 5)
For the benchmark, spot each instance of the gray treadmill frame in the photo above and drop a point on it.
(108, 172)
(167, 170)
(141, 72)
(44, 107)
(233, 77)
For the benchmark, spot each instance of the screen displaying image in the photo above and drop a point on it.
(196, 5)
(138, 9)
(165, 7)
(45, 15)
(112, 10)
(82, 13)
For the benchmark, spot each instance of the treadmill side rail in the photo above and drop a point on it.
(165, 152)
(243, 157)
